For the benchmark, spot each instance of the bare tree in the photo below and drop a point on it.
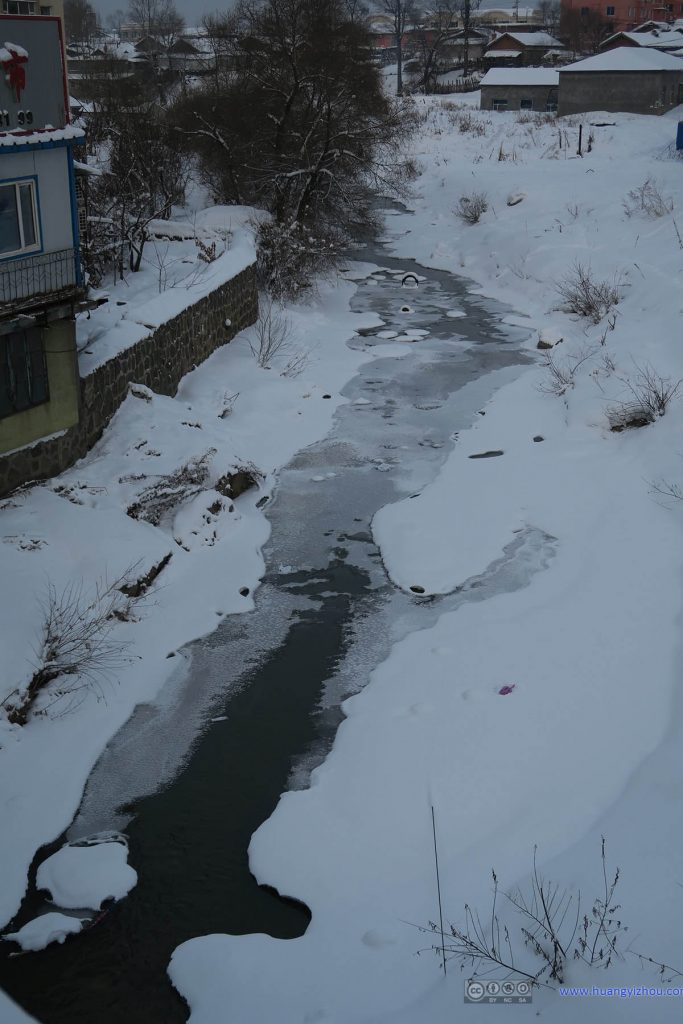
(220, 36)
(116, 20)
(549, 13)
(431, 39)
(584, 31)
(404, 15)
(467, 9)
(299, 126)
(80, 22)
(157, 18)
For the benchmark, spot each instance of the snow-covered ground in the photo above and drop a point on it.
(547, 717)
(544, 718)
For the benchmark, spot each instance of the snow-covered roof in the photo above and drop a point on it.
(669, 40)
(503, 53)
(521, 76)
(531, 38)
(627, 58)
(38, 135)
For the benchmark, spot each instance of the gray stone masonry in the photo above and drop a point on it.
(159, 361)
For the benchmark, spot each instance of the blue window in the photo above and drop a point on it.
(18, 218)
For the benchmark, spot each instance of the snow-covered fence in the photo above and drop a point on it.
(158, 361)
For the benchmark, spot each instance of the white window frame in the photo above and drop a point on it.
(36, 246)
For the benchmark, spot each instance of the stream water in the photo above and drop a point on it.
(254, 707)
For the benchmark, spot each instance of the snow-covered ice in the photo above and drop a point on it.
(85, 876)
(42, 931)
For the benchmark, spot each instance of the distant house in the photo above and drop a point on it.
(518, 49)
(520, 89)
(631, 79)
(455, 48)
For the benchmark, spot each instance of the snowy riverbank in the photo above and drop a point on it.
(74, 531)
(545, 717)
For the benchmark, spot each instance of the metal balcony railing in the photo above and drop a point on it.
(37, 280)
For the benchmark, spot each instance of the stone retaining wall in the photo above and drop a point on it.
(159, 361)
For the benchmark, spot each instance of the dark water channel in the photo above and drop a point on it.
(254, 706)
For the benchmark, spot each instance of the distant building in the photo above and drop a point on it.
(520, 89)
(517, 49)
(41, 280)
(633, 80)
(621, 15)
(54, 8)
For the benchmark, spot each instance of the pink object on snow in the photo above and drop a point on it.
(504, 690)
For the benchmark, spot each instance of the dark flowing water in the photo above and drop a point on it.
(254, 707)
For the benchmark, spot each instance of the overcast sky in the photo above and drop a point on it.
(191, 10)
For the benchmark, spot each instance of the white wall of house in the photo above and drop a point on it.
(51, 168)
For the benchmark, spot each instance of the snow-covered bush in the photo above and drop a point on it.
(290, 257)
(159, 499)
(582, 294)
(471, 207)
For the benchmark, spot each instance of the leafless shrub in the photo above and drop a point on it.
(648, 199)
(582, 294)
(536, 117)
(556, 930)
(296, 365)
(504, 156)
(668, 490)
(158, 500)
(228, 405)
(561, 375)
(471, 207)
(573, 210)
(206, 252)
(468, 124)
(650, 395)
(77, 643)
(272, 331)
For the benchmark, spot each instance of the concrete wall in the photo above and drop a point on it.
(61, 411)
(158, 361)
(514, 94)
(635, 92)
(54, 210)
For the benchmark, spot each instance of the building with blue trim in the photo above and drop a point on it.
(41, 280)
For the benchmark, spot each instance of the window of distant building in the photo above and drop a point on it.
(18, 7)
(585, 11)
(46, 11)
(500, 104)
(610, 12)
(23, 372)
(526, 104)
